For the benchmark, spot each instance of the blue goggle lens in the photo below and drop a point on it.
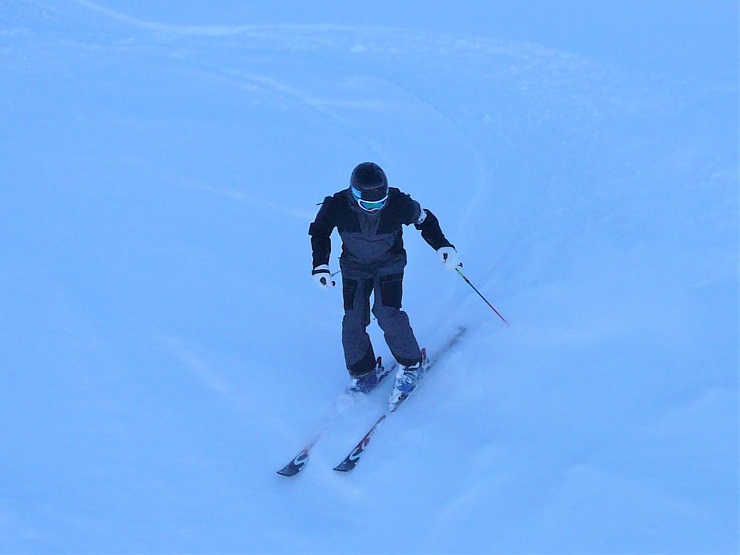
(369, 205)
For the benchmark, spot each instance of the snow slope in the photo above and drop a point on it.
(164, 350)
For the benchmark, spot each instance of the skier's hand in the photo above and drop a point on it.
(322, 277)
(448, 257)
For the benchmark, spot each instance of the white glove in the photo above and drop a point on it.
(322, 277)
(448, 257)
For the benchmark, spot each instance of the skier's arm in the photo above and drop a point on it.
(320, 232)
(428, 224)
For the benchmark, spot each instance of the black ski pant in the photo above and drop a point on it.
(387, 290)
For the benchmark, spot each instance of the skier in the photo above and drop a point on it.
(369, 216)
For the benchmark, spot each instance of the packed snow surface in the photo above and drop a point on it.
(163, 349)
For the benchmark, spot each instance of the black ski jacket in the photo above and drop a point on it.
(371, 240)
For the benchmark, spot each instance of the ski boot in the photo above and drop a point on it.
(407, 378)
(365, 383)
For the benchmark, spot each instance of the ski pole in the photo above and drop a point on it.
(459, 271)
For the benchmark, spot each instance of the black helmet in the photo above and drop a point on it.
(370, 182)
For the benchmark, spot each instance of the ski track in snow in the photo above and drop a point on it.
(322, 105)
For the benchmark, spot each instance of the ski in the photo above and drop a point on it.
(344, 401)
(300, 460)
(351, 460)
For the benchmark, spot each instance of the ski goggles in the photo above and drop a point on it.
(369, 205)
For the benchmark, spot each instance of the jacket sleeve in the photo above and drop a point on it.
(408, 208)
(431, 231)
(320, 231)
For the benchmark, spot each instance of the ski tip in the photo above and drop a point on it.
(290, 469)
(345, 466)
(351, 460)
(296, 465)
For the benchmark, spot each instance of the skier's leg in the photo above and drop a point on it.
(358, 351)
(393, 321)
